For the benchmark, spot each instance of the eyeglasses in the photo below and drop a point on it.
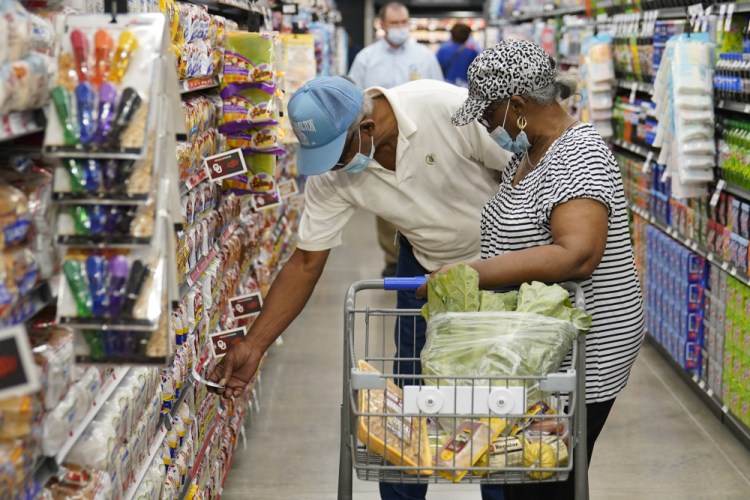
(484, 120)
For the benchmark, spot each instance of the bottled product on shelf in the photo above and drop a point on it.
(104, 196)
(680, 135)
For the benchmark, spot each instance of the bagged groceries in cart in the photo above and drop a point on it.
(400, 440)
(480, 344)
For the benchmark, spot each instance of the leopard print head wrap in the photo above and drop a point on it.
(512, 67)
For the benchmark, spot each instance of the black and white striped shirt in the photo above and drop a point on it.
(578, 165)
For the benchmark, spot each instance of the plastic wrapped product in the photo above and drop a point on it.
(14, 215)
(59, 422)
(544, 452)
(400, 440)
(18, 415)
(96, 448)
(79, 483)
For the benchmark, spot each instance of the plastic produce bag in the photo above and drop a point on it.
(481, 344)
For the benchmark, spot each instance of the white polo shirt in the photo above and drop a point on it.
(444, 176)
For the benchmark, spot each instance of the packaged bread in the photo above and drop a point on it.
(14, 215)
(402, 441)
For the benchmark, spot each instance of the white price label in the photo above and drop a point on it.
(725, 265)
(717, 193)
(633, 90)
(647, 164)
(747, 108)
(665, 175)
(710, 392)
(728, 23)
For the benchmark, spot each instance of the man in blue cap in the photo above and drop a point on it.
(395, 153)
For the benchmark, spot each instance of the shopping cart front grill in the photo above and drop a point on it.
(401, 427)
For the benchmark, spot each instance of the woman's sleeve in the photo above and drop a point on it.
(588, 173)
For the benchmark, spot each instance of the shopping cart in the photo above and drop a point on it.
(463, 417)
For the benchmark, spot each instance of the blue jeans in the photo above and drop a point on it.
(410, 338)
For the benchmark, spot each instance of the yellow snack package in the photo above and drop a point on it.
(400, 440)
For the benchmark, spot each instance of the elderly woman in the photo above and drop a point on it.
(559, 215)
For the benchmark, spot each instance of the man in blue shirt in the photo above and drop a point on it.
(456, 55)
(394, 60)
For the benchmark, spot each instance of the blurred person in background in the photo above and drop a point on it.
(457, 54)
(391, 61)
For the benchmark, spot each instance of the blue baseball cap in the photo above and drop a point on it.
(321, 112)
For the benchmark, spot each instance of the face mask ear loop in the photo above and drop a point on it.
(506, 114)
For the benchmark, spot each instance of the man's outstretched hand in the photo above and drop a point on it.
(236, 370)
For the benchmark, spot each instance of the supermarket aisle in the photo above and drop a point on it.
(659, 443)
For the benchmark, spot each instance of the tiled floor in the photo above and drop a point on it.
(660, 441)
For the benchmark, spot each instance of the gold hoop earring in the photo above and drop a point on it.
(521, 123)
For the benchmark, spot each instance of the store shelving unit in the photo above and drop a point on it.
(201, 83)
(636, 149)
(720, 410)
(21, 123)
(648, 88)
(154, 450)
(737, 107)
(192, 275)
(101, 397)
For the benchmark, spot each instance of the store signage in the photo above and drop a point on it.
(246, 305)
(221, 342)
(289, 9)
(18, 373)
(287, 188)
(227, 164)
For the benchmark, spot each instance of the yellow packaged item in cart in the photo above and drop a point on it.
(544, 452)
(402, 441)
(468, 445)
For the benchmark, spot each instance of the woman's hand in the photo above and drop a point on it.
(421, 292)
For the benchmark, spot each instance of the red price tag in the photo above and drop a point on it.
(225, 165)
(246, 305)
(221, 342)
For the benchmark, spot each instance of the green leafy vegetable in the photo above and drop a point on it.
(552, 301)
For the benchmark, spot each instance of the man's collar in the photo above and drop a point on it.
(391, 48)
(406, 126)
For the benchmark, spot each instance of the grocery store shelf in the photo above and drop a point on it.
(193, 181)
(634, 148)
(202, 451)
(106, 391)
(692, 245)
(167, 417)
(569, 61)
(192, 276)
(737, 107)
(141, 473)
(737, 191)
(21, 123)
(706, 395)
(45, 468)
(549, 11)
(186, 487)
(195, 84)
(639, 86)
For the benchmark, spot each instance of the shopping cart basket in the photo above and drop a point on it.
(404, 428)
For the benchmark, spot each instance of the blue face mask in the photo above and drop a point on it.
(502, 138)
(360, 161)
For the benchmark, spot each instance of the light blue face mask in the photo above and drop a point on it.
(502, 138)
(360, 161)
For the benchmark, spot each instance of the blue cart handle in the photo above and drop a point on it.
(404, 283)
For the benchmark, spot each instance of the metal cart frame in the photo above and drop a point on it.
(572, 383)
